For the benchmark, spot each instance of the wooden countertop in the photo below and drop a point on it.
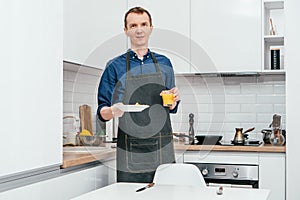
(71, 159)
(74, 159)
(261, 148)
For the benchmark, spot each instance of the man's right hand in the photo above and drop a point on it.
(107, 113)
(116, 112)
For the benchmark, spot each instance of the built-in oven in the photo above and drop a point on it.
(229, 175)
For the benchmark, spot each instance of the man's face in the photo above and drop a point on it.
(138, 29)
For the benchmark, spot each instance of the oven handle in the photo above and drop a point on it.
(232, 183)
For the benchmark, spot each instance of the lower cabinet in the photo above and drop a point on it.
(271, 167)
(63, 187)
(272, 174)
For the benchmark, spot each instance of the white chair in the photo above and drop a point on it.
(178, 174)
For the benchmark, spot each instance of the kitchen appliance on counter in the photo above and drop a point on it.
(240, 137)
(229, 175)
(274, 135)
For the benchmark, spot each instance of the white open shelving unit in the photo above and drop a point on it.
(272, 9)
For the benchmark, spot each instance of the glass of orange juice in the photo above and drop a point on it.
(168, 98)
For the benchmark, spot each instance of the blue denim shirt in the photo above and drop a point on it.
(112, 84)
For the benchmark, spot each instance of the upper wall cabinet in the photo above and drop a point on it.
(171, 33)
(226, 36)
(273, 35)
(93, 31)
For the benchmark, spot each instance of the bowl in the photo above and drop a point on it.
(95, 140)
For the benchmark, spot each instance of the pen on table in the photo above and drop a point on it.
(147, 186)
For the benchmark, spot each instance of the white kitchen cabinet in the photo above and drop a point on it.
(272, 10)
(272, 174)
(221, 157)
(112, 170)
(93, 31)
(171, 33)
(226, 36)
(179, 156)
(63, 187)
(31, 86)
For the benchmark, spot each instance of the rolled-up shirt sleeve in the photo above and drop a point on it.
(106, 89)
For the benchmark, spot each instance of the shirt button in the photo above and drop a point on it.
(142, 63)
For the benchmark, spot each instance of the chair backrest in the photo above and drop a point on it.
(178, 174)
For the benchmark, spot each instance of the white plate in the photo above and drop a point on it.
(132, 108)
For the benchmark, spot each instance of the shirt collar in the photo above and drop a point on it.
(134, 55)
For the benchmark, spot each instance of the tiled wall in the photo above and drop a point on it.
(222, 103)
(80, 87)
(219, 103)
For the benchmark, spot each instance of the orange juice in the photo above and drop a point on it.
(168, 98)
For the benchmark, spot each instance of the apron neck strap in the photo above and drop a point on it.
(152, 56)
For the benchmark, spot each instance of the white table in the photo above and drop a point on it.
(127, 191)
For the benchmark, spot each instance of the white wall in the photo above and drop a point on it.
(292, 43)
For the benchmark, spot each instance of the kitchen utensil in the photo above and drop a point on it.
(277, 138)
(266, 135)
(147, 186)
(208, 139)
(240, 137)
(272, 31)
(85, 115)
(69, 135)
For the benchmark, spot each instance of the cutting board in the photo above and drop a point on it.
(85, 114)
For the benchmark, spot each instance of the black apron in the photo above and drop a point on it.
(144, 138)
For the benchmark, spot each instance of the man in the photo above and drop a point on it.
(139, 76)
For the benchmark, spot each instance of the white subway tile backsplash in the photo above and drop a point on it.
(67, 96)
(220, 104)
(249, 88)
(86, 79)
(89, 99)
(232, 89)
(264, 118)
(245, 98)
(183, 81)
(69, 76)
(235, 108)
(240, 117)
(271, 99)
(211, 98)
(85, 88)
(188, 99)
(279, 108)
(279, 89)
(257, 108)
(237, 80)
(68, 86)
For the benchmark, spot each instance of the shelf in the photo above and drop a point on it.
(274, 39)
(272, 5)
(278, 72)
(272, 19)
